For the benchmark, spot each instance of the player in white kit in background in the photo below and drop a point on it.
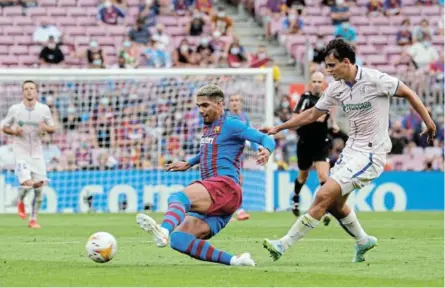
(27, 121)
(364, 96)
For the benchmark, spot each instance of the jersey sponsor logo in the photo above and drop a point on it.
(206, 140)
(354, 107)
(217, 129)
(27, 123)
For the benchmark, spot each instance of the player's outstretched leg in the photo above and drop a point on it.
(178, 206)
(36, 202)
(21, 204)
(324, 198)
(202, 250)
(348, 221)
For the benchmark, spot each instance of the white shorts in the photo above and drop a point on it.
(354, 169)
(30, 169)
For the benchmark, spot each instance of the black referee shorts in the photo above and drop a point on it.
(309, 152)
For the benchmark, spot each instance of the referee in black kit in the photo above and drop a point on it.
(313, 144)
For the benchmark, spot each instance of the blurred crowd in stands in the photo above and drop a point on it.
(401, 37)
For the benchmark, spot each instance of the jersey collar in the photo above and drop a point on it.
(30, 109)
(358, 77)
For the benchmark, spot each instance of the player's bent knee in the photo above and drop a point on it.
(27, 183)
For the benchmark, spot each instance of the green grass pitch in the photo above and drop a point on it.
(410, 253)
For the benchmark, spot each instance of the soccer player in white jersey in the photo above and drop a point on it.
(27, 121)
(364, 95)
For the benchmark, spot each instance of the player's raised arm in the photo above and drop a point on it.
(404, 91)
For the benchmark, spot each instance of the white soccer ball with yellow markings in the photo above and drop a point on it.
(101, 247)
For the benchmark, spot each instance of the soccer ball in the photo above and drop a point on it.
(101, 247)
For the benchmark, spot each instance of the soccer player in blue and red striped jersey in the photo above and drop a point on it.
(206, 206)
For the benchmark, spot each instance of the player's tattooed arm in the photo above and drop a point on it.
(404, 91)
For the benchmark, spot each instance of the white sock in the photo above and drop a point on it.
(303, 225)
(351, 223)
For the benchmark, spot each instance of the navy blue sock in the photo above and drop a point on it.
(178, 206)
(197, 248)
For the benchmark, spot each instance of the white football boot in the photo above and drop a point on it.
(148, 224)
(242, 260)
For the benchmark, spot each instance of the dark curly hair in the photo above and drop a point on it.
(340, 49)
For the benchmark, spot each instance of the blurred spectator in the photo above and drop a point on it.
(423, 31)
(260, 58)
(106, 161)
(220, 46)
(130, 53)
(340, 12)
(156, 56)
(273, 11)
(292, 24)
(204, 6)
(375, 8)
(196, 25)
(398, 137)
(184, 56)
(205, 53)
(139, 33)
(121, 64)
(436, 70)
(51, 54)
(237, 56)
(101, 124)
(70, 159)
(346, 31)
(317, 55)
(423, 53)
(109, 13)
(222, 23)
(182, 7)
(428, 164)
(298, 4)
(392, 7)
(405, 60)
(94, 55)
(44, 31)
(148, 12)
(160, 35)
(84, 157)
(51, 154)
(404, 36)
(72, 120)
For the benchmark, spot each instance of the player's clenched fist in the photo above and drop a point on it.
(177, 166)
(262, 156)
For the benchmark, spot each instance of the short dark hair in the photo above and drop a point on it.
(340, 49)
(29, 81)
(211, 91)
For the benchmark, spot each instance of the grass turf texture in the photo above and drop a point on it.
(410, 253)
